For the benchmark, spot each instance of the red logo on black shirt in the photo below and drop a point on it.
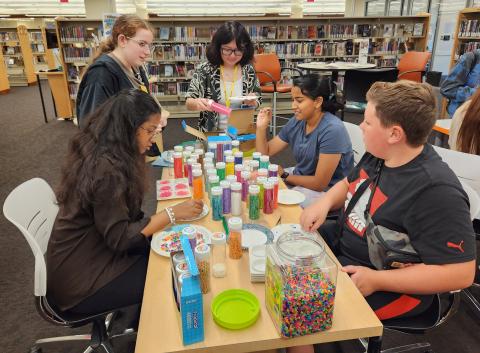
(456, 246)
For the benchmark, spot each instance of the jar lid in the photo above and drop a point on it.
(191, 160)
(209, 154)
(227, 153)
(235, 223)
(199, 151)
(178, 148)
(177, 154)
(218, 238)
(212, 145)
(262, 172)
(235, 143)
(238, 167)
(181, 267)
(229, 159)
(273, 180)
(261, 179)
(245, 174)
(213, 178)
(264, 158)
(231, 178)
(189, 148)
(253, 189)
(216, 190)
(187, 154)
(189, 231)
(254, 163)
(194, 155)
(225, 184)
(236, 186)
(178, 257)
(196, 172)
(211, 171)
(238, 154)
(268, 185)
(220, 165)
(202, 251)
(256, 154)
(273, 167)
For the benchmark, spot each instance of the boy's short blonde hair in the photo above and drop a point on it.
(409, 104)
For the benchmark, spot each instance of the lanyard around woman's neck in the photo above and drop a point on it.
(227, 96)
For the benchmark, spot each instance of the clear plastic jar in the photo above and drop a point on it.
(197, 184)
(219, 254)
(300, 284)
(191, 233)
(226, 197)
(272, 170)
(238, 157)
(220, 166)
(245, 183)
(229, 165)
(213, 180)
(238, 172)
(178, 148)
(236, 192)
(235, 146)
(264, 161)
(177, 164)
(260, 182)
(200, 153)
(202, 258)
(235, 225)
(216, 203)
(256, 156)
(268, 197)
(253, 202)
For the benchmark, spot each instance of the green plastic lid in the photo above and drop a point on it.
(235, 309)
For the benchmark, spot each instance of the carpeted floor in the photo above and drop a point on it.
(30, 148)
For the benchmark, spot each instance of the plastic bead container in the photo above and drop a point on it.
(300, 283)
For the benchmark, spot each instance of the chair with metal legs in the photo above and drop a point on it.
(268, 69)
(32, 208)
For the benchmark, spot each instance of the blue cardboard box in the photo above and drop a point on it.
(191, 301)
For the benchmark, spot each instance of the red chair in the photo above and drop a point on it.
(413, 65)
(268, 69)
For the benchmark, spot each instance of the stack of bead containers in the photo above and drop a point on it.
(300, 284)
(187, 289)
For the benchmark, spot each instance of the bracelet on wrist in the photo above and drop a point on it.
(170, 214)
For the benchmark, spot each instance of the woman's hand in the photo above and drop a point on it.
(251, 102)
(263, 118)
(187, 209)
(203, 104)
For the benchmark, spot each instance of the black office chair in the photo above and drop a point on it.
(357, 83)
(32, 208)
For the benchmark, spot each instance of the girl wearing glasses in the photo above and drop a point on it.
(227, 73)
(97, 254)
(118, 65)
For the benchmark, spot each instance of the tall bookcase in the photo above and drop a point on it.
(4, 84)
(467, 33)
(181, 44)
(24, 53)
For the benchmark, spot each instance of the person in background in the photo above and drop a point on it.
(465, 129)
(462, 82)
(227, 73)
(319, 141)
(117, 65)
(97, 254)
(402, 194)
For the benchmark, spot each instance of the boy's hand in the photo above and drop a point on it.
(313, 217)
(363, 277)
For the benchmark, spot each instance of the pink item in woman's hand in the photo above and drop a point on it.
(219, 108)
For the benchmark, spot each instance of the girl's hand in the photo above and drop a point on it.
(187, 209)
(264, 118)
(363, 277)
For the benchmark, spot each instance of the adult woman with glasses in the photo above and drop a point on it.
(117, 65)
(227, 73)
(97, 254)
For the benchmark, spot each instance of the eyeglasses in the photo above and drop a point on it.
(151, 132)
(228, 51)
(143, 45)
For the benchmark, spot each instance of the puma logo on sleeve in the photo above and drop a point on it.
(456, 246)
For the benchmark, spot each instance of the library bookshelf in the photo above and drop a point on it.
(180, 44)
(467, 33)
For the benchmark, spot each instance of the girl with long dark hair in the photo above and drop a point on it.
(465, 128)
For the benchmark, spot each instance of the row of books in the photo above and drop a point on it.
(11, 50)
(466, 47)
(169, 88)
(6, 36)
(35, 36)
(469, 28)
(180, 52)
(72, 54)
(185, 33)
(170, 70)
(37, 48)
(392, 46)
(80, 33)
(73, 89)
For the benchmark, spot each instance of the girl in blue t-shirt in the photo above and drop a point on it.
(319, 141)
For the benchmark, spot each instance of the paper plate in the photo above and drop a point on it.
(290, 197)
(283, 228)
(168, 156)
(255, 234)
(244, 98)
(235, 309)
(163, 243)
(205, 211)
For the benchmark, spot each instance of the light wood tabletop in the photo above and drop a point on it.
(443, 126)
(160, 326)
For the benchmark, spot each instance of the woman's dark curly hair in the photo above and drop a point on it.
(109, 133)
(230, 30)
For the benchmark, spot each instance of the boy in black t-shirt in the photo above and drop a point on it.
(402, 193)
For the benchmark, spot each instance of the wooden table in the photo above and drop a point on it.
(160, 326)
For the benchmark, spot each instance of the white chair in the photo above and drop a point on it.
(32, 208)
(356, 137)
(465, 166)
